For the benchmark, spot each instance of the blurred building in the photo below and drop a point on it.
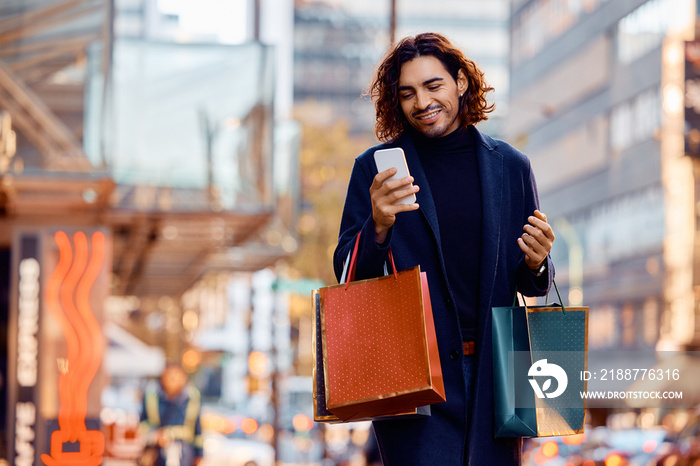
(596, 103)
(131, 166)
(337, 45)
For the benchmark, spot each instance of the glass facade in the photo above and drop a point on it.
(600, 148)
(635, 120)
(644, 29)
(176, 111)
(542, 21)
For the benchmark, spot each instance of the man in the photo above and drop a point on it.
(475, 229)
(170, 421)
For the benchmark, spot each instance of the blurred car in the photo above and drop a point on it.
(682, 449)
(220, 450)
(600, 446)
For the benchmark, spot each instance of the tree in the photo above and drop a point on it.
(327, 155)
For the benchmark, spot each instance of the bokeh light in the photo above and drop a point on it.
(650, 445)
(613, 460)
(550, 449)
(577, 439)
(257, 364)
(190, 360)
(302, 423)
(249, 426)
(229, 426)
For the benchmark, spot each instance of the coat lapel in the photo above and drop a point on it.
(424, 197)
(490, 163)
(491, 178)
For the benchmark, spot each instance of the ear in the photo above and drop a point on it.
(462, 82)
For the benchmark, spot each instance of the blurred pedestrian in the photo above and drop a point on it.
(475, 228)
(170, 421)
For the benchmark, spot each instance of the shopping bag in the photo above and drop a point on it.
(378, 345)
(539, 353)
(321, 412)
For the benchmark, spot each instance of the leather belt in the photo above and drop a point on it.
(469, 347)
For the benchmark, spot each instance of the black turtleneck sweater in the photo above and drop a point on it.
(450, 165)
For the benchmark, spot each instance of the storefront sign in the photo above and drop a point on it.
(68, 291)
(25, 324)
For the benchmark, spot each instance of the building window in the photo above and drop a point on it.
(650, 313)
(544, 20)
(628, 324)
(603, 327)
(635, 120)
(620, 228)
(644, 29)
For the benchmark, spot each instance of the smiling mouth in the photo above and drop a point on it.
(428, 116)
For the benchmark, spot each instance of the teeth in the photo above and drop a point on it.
(429, 115)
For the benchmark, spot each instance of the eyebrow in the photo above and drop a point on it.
(425, 83)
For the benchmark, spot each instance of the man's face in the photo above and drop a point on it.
(429, 96)
(173, 381)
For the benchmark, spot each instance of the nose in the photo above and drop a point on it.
(422, 100)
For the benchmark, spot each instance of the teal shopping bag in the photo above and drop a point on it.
(539, 355)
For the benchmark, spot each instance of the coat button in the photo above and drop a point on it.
(454, 355)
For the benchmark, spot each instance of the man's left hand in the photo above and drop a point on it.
(537, 240)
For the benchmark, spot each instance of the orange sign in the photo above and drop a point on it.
(68, 300)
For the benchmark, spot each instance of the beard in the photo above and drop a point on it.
(439, 128)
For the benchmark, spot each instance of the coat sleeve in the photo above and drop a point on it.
(527, 282)
(357, 218)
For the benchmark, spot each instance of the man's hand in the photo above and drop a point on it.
(384, 197)
(197, 461)
(162, 440)
(537, 240)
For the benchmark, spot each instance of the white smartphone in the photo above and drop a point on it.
(394, 157)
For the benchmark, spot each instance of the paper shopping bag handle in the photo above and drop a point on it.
(353, 261)
(554, 282)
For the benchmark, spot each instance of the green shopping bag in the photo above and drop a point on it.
(539, 353)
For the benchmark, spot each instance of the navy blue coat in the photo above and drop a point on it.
(509, 196)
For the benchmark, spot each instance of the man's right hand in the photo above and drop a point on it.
(384, 197)
(162, 439)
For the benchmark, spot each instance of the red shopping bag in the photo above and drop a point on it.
(380, 351)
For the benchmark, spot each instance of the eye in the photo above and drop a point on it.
(434, 87)
(406, 95)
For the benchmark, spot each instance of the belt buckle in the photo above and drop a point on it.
(468, 347)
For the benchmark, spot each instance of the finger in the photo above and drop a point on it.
(399, 194)
(392, 209)
(546, 227)
(541, 225)
(534, 245)
(381, 177)
(532, 257)
(408, 207)
(396, 184)
(527, 250)
(542, 235)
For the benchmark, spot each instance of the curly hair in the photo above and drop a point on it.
(383, 89)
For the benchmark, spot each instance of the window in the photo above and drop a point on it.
(544, 20)
(635, 120)
(643, 30)
(602, 327)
